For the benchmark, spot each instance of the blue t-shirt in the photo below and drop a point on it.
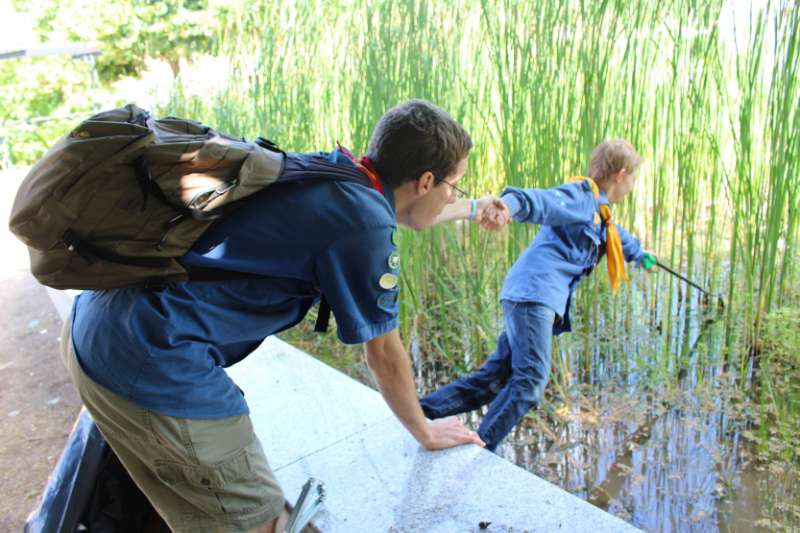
(566, 248)
(165, 350)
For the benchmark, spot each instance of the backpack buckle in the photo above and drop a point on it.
(268, 145)
(75, 245)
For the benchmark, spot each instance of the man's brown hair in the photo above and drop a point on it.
(611, 156)
(415, 137)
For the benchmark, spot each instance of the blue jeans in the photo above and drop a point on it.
(512, 378)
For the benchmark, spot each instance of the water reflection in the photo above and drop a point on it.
(646, 417)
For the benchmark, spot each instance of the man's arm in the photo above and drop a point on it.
(486, 205)
(390, 366)
(459, 210)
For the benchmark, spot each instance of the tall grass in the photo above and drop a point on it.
(711, 104)
(538, 85)
(713, 107)
(707, 91)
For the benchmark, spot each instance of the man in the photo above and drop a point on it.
(149, 364)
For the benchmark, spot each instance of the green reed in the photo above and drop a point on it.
(538, 86)
(713, 111)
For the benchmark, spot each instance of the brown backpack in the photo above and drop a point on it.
(115, 202)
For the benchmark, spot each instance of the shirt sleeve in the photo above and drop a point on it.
(358, 276)
(570, 203)
(631, 247)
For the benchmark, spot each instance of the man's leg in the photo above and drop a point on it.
(277, 525)
(200, 475)
(474, 390)
(529, 326)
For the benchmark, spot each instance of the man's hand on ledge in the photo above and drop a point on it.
(449, 432)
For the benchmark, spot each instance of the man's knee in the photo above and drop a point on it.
(276, 525)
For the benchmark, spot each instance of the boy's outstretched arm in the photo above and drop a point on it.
(482, 213)
(565, 204)
(631, 246)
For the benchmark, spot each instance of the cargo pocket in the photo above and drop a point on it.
(233, 487)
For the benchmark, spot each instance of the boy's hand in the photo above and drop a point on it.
(492, 214)
(650, 262)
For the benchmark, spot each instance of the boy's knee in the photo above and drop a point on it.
(497, 385)
(526, 388)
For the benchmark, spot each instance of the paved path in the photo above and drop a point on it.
(38, 404)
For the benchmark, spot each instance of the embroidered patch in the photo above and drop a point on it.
(388, 281)
(387, 300)
(394, 260)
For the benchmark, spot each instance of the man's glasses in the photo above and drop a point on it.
(458, 192)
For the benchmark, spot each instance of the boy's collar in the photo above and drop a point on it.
(366, 166)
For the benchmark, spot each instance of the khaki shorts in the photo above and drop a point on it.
(200, 475)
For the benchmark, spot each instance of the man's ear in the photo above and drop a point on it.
(425, 183)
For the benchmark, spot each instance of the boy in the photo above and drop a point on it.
(577, 230)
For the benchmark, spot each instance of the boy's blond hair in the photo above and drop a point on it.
(611, 156)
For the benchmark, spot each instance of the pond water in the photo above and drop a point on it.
(653, 416)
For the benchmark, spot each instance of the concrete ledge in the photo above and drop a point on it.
(300, 406)
(314, 421)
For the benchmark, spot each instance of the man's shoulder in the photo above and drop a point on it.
(314, 213)
(323, 197)
(355, 205)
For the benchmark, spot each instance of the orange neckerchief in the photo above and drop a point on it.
(365, 165)
(614, 256)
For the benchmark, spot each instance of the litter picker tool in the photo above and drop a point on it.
(649, 260)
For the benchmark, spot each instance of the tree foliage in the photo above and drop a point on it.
(130, 32)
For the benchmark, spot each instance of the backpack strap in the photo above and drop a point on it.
(215, 274)
(323, 316)
(366, 167)
(268, 145)
(90, 252)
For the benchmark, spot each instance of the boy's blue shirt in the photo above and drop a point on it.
(566, 248)
(165, 350)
